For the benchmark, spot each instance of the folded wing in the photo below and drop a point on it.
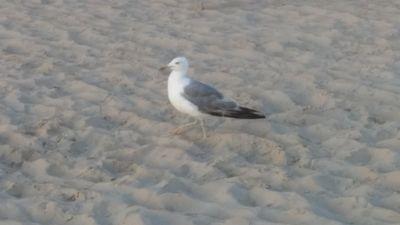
(211, 101)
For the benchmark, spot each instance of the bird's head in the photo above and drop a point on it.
(179, 64)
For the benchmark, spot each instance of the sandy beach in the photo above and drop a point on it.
(85, 120)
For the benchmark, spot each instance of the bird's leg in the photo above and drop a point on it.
(182, 128)
(203, 129)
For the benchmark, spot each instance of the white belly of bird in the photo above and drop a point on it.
(175, 90)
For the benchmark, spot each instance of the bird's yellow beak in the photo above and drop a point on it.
(163, 68)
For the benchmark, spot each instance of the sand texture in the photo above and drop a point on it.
(85, 121)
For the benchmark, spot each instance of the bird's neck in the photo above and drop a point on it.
(176, 75)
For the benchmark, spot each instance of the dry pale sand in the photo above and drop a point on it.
(85, 121)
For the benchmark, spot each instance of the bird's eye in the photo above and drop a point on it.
(177, 63)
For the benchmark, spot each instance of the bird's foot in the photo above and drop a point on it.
(181, 129)
(177, 131)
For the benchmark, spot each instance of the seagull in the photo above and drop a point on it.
(198, 100)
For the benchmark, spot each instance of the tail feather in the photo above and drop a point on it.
(240, 113)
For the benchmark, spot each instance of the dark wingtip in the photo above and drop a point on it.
(240, 113)
(247, 113)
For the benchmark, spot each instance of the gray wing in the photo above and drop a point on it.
(207, 99)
